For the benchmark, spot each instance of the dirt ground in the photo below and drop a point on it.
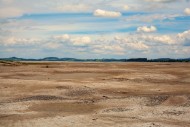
(65, 94)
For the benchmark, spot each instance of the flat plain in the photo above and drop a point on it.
(66, 94)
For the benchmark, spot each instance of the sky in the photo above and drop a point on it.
(95, 29)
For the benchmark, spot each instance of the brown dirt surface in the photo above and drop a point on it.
(71, 94)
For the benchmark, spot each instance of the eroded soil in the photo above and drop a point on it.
(57, 94)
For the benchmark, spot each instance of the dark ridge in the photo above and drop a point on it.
(97, 60)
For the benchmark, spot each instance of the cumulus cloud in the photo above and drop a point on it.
(80, 41)
(77, 41)
(180, 39)
(116, 48)
(120, 45)
(184, 38)
(147, 40)
(147, 29)
(104, 13)
(138, 46)
(185, 34)
(109, 49)
(19, 41)
(164, 39)
(187, 11)
(52, 42)
(132, 42)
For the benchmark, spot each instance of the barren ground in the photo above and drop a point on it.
(44, 94)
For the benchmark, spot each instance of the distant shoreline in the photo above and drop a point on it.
(55, 59)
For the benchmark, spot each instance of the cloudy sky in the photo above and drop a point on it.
(95, 29)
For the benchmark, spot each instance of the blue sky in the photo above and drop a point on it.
(95, 29)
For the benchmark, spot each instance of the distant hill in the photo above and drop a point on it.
(169, 60)
(98, 60)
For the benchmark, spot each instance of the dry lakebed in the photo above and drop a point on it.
(77, 94)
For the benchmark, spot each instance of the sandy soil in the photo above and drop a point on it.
(59, 94)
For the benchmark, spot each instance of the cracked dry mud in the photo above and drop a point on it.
(57, 94)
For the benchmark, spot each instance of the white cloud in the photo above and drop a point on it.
(109, 49)
(164, 39)
(77, 41)
(51, 43)
(80, 41)
(19, 41)
(184, 38)
(138, 46)
(132, 42)
(187, 11)
(185, 34)
(10, 12)
(146, 29)
(148, 40)
(104, 13)
(113, 48)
